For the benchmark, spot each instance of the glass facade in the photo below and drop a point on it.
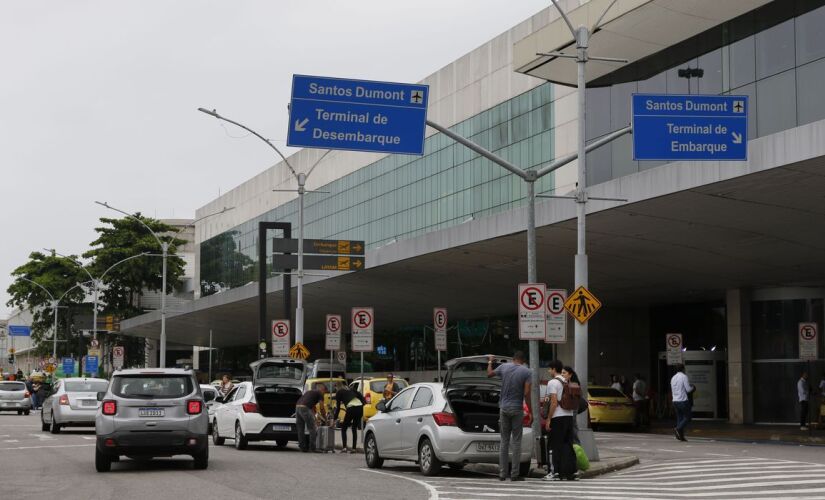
(402, 196)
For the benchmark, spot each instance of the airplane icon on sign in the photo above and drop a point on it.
(738, 106)
(416, 97)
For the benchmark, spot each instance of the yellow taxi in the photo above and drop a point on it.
(609, 406)
(374, 392)
(331, 385)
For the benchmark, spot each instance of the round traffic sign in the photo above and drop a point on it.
(333, 324)
(807, 332)
(674, 341)
(532, 298)
(555, 302)
(440, 318)
(94, 343)
(362, 318)
(280, 328)
(51, 360)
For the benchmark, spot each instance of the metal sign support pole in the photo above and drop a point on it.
(362, 374)
(439, 364)
(299, 309)
(210, 356)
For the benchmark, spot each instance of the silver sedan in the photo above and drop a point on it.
(435, 425)
(73, 403)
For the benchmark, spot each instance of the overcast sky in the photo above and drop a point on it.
(98, 99)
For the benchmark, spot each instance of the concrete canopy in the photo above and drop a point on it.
(690, 231)
(632, 30)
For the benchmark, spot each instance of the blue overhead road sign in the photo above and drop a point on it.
(690, 127)
(20, 331)
(357, 115)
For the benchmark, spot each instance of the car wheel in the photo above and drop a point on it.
(217, 440)
(202, 459)
(102, 462)
(43, 425)
(26, 412)
(374, 460)
(240, 439)
(429, 464)
(55, 427)
(281, 443)
(524, 469)
(19, 412)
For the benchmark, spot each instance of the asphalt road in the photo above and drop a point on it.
(40, 465)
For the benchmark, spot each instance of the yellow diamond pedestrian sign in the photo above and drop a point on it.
(299, 351)
(582, 304)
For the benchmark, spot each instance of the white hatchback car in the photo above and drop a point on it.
(73, 403)
(451, 424)
(262, 410)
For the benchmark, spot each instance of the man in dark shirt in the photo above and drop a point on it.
(353, 402)
(305, 416)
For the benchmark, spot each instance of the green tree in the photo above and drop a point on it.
(125, 284)
(57, 275)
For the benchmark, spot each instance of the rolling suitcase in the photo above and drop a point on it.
(325, 439)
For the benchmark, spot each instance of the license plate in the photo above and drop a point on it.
(281, 428)
(88, 402)
(151, 412)
(487, 446)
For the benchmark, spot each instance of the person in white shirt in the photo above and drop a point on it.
(803, 392)
(560, 425)
(680, 388)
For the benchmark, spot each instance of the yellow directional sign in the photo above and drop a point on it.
(299, 351)
(50, 368)
(582, 304)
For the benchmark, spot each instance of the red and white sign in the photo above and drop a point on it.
(363, 323)
(532, 323)
(118, 355)
(556, 317)
(673, 344)
(808, 341)
(280, 337)
(333, 338)
(440, 328)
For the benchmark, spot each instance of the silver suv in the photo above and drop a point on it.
(152, 412)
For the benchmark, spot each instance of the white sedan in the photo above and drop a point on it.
(73, 403)
(434, 425)
(239, 417)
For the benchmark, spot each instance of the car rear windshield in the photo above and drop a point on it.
(12, 386)
(379, 385)
(607, 392)
(281, 370)
(87, 386)
(152, 386)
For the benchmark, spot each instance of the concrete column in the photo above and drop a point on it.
(151, 353)
(740, 378)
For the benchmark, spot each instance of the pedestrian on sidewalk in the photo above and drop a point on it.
(353, 403)
(515, 393)
(803, 390)
(305, 416)
(562, 411)
(680, 387)
(640, 400)
(571, 377)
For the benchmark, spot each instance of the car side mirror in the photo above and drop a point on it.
(209, 396)
(100, 396)
(382, 405)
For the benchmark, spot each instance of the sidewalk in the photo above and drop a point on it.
(724, 431)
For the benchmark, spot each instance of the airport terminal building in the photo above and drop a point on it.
(731, 254)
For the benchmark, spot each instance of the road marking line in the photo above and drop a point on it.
(42, 437)
(718, 455)
(89, 437)
(51, 446)
(669, 451)
(430, 488)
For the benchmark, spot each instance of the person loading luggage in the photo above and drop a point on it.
(353, 403)
(305, 416)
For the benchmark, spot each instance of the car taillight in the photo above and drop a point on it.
(109, 407)
(368, 398)
(596, 403)
(27, 395)
(250, 408)
(194, 406)
(443, 419)
(525, 422)
(64, 399)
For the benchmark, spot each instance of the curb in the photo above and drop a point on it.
(596, 468)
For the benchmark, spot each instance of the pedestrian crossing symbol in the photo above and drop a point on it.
(582, 304)
(299, 351)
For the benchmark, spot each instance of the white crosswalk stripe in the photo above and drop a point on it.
(722, 478)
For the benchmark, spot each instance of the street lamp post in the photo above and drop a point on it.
(164, 245)
(301, 179)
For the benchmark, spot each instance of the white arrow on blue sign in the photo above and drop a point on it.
(690, 127)
(357, 115)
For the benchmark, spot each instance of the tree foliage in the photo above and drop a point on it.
(125, 283)
(59, 276)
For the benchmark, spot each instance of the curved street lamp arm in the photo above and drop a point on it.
(81, 266)
(142, 254)
(70, 289)
(192, 224)
(106, 204)
(38, 284)
(259, 136)
(328, 151)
